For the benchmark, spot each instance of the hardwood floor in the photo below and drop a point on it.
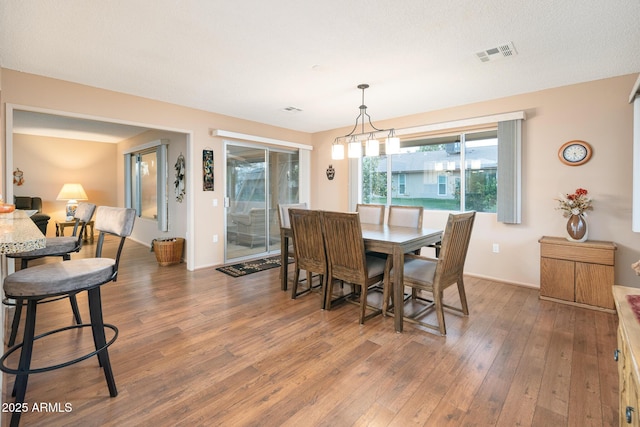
(203, 348)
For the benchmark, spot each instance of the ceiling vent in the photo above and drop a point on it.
(292, 110)
(500, 52)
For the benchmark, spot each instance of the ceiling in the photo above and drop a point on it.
(41, 124)
(253, 59)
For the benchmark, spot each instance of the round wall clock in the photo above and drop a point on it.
(575, 153)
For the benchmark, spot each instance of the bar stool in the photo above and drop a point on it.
(62, 279)
(55, 246)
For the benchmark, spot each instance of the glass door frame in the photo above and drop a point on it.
(269, 219)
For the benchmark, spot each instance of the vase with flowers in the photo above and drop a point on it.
(575, 207)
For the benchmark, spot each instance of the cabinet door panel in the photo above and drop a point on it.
(557, 278)
(630, 410)
(593, 284)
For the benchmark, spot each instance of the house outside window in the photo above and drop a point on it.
(454, 172)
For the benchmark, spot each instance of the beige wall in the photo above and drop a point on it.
(597, 112)
(48, 163)
(29, 90)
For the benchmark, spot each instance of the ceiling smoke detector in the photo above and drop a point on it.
(500, 52)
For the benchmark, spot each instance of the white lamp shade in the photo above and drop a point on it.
(354, 150)
(392, 145)
(337, 152)
(373, 148)
(72, 192)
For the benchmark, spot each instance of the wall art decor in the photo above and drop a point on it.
(331, 172)
(179, 182)
(207, 170)
(18, 177)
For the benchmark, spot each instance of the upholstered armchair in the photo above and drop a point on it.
(34, 204)
(251, 226)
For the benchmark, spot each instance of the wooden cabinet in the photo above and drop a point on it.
(627, 355)
(577, 273)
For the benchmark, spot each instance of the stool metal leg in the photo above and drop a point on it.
(75, 309)
(97, 325)
(18, 313)
(20, 386)
(16, 322)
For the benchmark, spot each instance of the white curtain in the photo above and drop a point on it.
(509, 209)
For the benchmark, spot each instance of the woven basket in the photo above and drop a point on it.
(168, 251)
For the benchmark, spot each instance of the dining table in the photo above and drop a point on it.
(395, 241)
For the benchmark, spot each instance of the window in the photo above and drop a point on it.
(146, 182)
(454, 172)
(402, 184)
(442, 185)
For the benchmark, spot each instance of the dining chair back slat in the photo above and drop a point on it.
(371, 214)
(309, 247)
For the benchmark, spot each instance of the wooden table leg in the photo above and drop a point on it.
(88, 237)
(398, 287)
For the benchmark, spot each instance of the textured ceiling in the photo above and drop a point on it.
(252, 58)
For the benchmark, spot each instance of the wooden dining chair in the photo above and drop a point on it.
(405, 216)
(435, 275)
(347, 260)
(309, 249)
(283, 213)
(409, 216)
(285, 222)
(402, 216)
(371, 214)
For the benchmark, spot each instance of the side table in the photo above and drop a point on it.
(88, 236)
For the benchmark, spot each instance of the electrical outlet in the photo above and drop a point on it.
(215, 238)
(496, 248)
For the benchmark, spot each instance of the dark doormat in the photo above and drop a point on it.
(249, 267)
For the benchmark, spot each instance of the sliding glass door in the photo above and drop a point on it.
(257, 180)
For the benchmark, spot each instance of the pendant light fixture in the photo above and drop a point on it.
(354, 146)
(337, 150)
(373, 146)
(392, 145)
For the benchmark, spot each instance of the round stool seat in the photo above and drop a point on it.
(59, 278)
(53, 246)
